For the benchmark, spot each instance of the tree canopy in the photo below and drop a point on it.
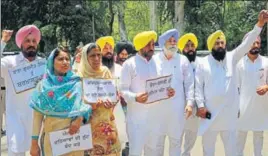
(71, 22)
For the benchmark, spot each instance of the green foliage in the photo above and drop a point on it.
(72, 21)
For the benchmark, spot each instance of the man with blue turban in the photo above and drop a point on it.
(167, 116)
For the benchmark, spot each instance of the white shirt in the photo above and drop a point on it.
(216, 87)
(120, 118)
(253, 107)
(18, 112)
(135, 72)
(192, 122)
(169, 114)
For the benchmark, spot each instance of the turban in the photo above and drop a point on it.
(213, 37)
(25, 31)
(185, 38)
(168, 34)
(143, 38)
(120, 46)
(258, 38)
(103, 40)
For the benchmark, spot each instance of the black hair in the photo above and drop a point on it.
(59, 49)
(120, 46)
(92, 46)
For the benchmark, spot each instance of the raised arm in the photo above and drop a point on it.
(244, 47)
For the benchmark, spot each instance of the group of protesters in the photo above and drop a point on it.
(224, 93)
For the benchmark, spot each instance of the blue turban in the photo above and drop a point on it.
(165, 36)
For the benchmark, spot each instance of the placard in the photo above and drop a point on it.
(157, 88)
(25, 77)
(94, 89)
(62, 142)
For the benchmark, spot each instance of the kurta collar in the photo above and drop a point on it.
(257, 60)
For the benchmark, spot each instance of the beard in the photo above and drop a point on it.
(108, 61)
(191, 55)
(255, 51)
(148, 55)
(219, 54)
(170, 50)
(29, 52)
(121, 60)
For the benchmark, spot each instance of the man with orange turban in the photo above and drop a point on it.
(216, 91)
(135, 72)
(18, 113)
(187, 44)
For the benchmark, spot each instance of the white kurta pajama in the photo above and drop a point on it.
(253, 107)
(216, 90)
(191, 124)
(18, 113)
(135, 72)
(167, 117)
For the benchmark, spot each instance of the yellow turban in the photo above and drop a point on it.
(143, 38)
(213, 37)
(185, 38)
(103, 40)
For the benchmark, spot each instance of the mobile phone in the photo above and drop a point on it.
(208, 115)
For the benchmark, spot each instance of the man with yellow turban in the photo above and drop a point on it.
(107, 44)
(18, 113)
(187, 45)
(135, 72)
(216, 91)
(167, 117)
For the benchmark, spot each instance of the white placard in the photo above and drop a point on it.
(94, 89)
(25, 77)
(62, 142)
(157, 88)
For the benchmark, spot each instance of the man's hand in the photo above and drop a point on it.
(201, 112)
(171, 92)
(188, 111)
(262, 18)
(6, 35)
(142, 97)
(262, 90)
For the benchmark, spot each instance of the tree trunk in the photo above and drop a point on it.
(153, 18)
(110, 3)
(179, 16)
(121, 20)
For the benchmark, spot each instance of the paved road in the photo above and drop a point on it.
(197, 151)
